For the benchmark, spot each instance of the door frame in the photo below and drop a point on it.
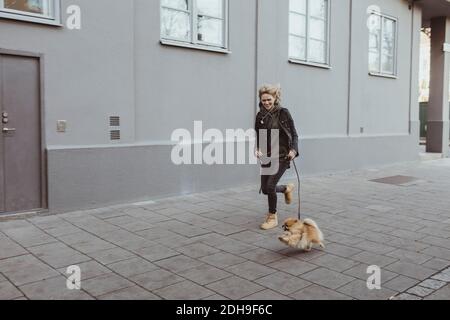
(43, 153)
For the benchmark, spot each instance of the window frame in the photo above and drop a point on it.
(380, 72)
(193, 42)
(308, 61)
(53, 19)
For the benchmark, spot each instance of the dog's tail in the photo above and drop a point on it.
(312, 223)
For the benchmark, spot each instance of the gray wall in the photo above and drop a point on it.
(217, 88)
(88, 73)
(331, 106)
(116, 65)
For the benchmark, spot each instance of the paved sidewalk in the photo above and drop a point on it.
(209, 246)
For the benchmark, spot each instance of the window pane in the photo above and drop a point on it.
(210, 30)
(374, 61)
(297, 47)
(317, 51)
(387, 64)
(176, 4)
(318, 8)
(374, 23)
(32, 6)
(389, 27)
(212, 8)
(388, 37)
(298, 6)
(317, 29)
(297, 24)
(175, 24)
(374, 42)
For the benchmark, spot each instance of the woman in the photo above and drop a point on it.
(273, 116)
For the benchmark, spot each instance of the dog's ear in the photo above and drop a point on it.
(290, 222)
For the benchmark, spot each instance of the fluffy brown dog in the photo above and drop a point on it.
(301, 234)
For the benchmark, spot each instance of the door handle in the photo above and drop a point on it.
(7, 130)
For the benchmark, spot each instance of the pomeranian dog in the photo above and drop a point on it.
(301, 234)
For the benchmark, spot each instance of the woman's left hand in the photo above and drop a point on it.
(292, 154)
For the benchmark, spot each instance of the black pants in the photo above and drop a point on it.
(270, 187)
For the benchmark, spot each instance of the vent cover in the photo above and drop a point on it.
(115, 135)
(114, 124)
(114, 121)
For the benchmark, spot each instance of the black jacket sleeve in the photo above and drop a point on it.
(257, 131)
(293, 132)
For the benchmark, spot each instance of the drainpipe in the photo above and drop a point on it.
(350, 68)
(256, 57)
(412, 8)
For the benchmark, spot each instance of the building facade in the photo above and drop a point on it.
(91, 91)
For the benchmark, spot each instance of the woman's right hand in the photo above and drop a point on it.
(258, 154)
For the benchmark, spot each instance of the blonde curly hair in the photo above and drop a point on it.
(273, 90)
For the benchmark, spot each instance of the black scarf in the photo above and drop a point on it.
(270, 117)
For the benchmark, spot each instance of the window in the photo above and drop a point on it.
(198, 22)
(308, 31)
(32, 10)
(382, 45)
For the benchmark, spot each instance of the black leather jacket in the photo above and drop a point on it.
(286, 123)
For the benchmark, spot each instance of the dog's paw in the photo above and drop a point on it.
(284, 239)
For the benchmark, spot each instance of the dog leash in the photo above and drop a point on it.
(299, 191)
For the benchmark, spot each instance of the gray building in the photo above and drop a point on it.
(91, 91)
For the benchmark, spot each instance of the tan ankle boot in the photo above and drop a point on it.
(271, 222)
(288, 193)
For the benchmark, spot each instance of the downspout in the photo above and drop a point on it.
(350, 68)
(256, 58)
(412, 8)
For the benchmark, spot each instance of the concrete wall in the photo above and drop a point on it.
(217, 88)
(116, 65)
(343, 113)
(88, 73)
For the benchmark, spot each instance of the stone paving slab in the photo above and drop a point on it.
(435, 288)
(89, 270)
(441, 294)
(267, 295)
(250, 270)
(210, 246)
(185, 290)
(110, 256)
(235, 288)
(358, 289)
(9, 248)
(316, 292)
(131, 293)
(105, 284)
(53, 289)
(58, 255)
(360, 272)
(132, 267)
(222, 260)
(29, 236)
(411, 270)
(327, 278)
(401, 283)
(283, 283)
(204, 274)
(156, 279)
(8, 291)
(26, 269)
